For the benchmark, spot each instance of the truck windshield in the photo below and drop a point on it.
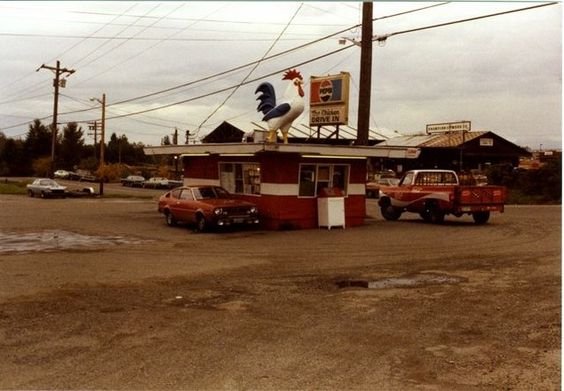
(407, 179)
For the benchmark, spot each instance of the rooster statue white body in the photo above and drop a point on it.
(280, 116)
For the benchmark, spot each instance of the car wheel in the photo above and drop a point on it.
(390, 213)
(43, 195)
(30, 193)
(170, 220)
(201, 224)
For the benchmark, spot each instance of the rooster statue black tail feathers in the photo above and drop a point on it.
(267, 97)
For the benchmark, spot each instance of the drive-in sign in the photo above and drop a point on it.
(329, 99)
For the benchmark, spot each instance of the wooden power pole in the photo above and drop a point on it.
(102, 140)
(365, 84)
(57, 82)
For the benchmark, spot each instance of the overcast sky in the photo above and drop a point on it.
(501, 73)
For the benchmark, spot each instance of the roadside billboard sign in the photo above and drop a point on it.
(460, 126)
(329, 100)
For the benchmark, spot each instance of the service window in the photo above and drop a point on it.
(323, 178)
(307, 180)
(240, 178)
(315, 177)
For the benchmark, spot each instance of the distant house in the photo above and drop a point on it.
(471, 150)
(225, 133)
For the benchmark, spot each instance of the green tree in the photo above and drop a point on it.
(13, 158)
(38, 140)
(72, 146)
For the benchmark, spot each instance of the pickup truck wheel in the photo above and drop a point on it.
(481, 217)
(426, 216)
(390, 213)
(170, 220)
(436, 216)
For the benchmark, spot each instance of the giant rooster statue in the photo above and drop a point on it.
(282, 115)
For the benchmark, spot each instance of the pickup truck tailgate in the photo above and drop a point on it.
(483, 195)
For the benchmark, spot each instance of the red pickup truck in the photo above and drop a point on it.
(436, 193)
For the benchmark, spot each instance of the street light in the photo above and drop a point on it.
(102, 142)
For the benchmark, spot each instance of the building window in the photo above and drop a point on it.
(240, 178)
(316, 177)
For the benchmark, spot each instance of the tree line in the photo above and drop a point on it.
(32, 155)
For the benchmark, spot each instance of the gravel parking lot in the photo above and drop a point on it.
(101, 294)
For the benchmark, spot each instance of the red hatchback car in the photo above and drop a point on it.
(206, 207)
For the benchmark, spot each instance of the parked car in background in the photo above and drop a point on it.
(46, 188)
(161, 183)
(81, 175)
(156, 182)
(133, 181)
(373, 188)
(206, 207)
(62, 174)
(172, 183)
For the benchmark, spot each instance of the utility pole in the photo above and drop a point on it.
(102, 140)
(365, 83)
(94, 127)
(57, 82)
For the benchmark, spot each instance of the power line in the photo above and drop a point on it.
(278, 71)
(255, 62)
(91, 36)
(272, 56)
(384, 37)
(152, 46)
(252, 70)
(109, 40)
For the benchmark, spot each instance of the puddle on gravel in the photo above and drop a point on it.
(409, 281)
(57, 240)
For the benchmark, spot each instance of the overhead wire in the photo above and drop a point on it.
(76, 64)
(254, 62)
(40, 85)
(91, 36)
(350, 46)
(299, 47)
(252, 69)
(304, 62)
(152, 46)
(237, 69)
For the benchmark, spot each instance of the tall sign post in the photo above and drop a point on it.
(365, 84)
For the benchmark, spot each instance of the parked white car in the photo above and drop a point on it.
(62, 174)
(46, 188)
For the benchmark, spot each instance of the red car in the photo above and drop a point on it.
(206, 207)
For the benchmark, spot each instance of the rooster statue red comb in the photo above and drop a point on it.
(292, 74)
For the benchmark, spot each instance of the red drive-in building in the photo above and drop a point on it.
(290, 183)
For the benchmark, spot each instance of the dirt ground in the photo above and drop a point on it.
(112, 298)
